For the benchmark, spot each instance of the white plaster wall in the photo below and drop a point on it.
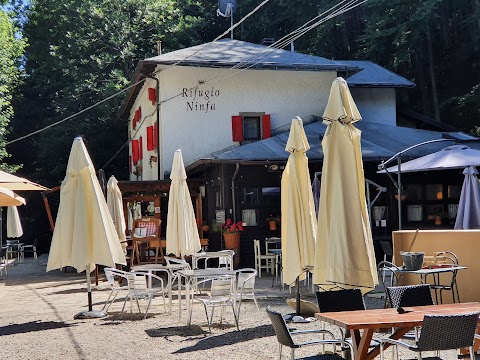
(282, 94)
(148, 118)
(377, 105)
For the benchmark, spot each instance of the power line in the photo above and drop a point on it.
(124, 90)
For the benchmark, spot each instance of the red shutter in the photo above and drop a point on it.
(135, 151)
(152, 95)
(150, 145)
(130, 164)
(237, 128)
(140, 148)
(155, 135)
(139, 113)
(266, 130)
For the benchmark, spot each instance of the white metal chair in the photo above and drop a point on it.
(30, 248)
(245, 288)
(225, 259)
(3, 260)
(181, 263)
(14, 249)
(222, 294)
(115, 279)
(141, 286)
(266, 262)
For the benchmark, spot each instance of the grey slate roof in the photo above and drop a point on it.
(379, 142)
(229, 52)
(373, 75)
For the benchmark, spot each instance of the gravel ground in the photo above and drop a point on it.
(37, 322)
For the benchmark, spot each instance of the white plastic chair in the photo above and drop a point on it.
(222, 294)
(266, 262)
(141, 286)
(115, 279)
(245, 288)
(14, 249)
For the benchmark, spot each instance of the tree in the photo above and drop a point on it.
(11, 50)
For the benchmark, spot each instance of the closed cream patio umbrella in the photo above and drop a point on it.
(115, 207)
(182, 231)
(344, 255)
(9, 198)
(84, 232)
(14, 226)
(298, 210)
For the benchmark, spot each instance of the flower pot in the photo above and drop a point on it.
(273, 225)
(232, 242)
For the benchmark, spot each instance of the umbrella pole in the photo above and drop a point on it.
(89, 288)
(297, 300)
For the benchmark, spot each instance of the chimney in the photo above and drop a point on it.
(159, 47)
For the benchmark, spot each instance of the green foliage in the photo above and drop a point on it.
(80, 52)
(11, 49)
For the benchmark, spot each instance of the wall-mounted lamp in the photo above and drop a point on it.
(202, 190)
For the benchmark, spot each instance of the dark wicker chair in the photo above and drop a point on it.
(442, 332)
(410, 295)
(342, 300)
(284, 337)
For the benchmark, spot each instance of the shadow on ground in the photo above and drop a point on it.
(209, 342)
(31, 326)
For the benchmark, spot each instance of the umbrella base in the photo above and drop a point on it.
(90, 315)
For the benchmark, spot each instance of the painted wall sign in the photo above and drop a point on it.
(200, 99)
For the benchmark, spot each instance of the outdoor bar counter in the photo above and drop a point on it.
(464, 243)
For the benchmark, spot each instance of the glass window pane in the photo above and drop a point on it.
(251, 128)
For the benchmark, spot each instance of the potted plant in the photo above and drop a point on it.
(231, 234)
(273, 221)
(203, 225)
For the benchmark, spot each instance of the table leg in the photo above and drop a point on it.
(361, 343)
(179, 286)
(169, 277)
(363, 353)
(187, 299)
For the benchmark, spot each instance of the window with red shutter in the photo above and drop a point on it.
(155, 135)
(140, 148)
(266, 130)
(237, 128)
(150, 145)
(135, 151)
(152, 95)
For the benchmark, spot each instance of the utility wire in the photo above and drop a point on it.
(73, 115)
(343, 6)
(124, 90)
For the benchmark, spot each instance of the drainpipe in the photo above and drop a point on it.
(233, 191)
(160, 138)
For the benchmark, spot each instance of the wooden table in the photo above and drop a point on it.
(371, 320)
